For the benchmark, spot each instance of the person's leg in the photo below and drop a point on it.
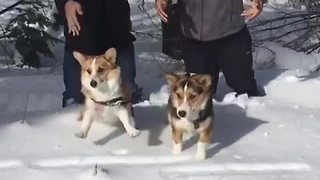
(211, 55)
(126, 61)
(235, 61)
(71, 78)
(199, 58)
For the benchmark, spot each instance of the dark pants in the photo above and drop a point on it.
(71, 79)
(72, 74)
(127, 64)
(232, 55)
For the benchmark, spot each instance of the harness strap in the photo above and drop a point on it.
(119, 101)
(203, 114)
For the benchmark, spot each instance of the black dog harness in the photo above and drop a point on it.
(119, 101)
(203, 114)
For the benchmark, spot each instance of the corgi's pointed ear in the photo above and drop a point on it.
(111, 55)
(79, 57)
(204, 79)
(172, 79)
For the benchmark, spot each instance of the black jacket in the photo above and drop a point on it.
(104, 24)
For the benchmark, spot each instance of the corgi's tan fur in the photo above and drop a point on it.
(190, 110)
(107, 98)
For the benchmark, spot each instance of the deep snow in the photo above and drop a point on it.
(272, 137)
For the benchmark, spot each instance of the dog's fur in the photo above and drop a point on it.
(190, 110)
(101, 82)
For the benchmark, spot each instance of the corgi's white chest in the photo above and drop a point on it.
(184, 125)
(104, 91)
(188, 126)
(107, 114)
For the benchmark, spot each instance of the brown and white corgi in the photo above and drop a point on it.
(190, 109)
(106, 95)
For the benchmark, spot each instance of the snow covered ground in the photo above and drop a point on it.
(266, 138)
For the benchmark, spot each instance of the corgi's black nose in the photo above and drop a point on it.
(93, 83)
(182, 114)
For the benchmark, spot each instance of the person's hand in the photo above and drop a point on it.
(254, 10)
(72, 9)
(161, 5)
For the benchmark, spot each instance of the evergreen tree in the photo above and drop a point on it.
(27, 30)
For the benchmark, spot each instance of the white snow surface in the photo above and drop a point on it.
(267, 138)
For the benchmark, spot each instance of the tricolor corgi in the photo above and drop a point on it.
(190, 109)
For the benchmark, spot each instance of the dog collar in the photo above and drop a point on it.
(203, 114)
(202, 117)
(119, 101)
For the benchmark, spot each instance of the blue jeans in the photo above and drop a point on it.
(72, 74)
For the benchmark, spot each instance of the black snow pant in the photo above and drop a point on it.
(232, 55)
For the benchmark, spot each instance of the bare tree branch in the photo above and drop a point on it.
(11, 7)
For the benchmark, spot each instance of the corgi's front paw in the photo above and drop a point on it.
(81, 135)
(177, 149)
(133, 132)
(200, 156)
(201, 151)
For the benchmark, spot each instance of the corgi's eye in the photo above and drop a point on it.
(179, 96)
(192, 96)
(89, 71)
(100, 70)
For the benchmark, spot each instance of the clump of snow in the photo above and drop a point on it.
(271, 137)
(278, 2)
(289, 59)
(291, 79)
(240, 100)
(297, 87)
(230, 97)
(160, 97)
(263, 58)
